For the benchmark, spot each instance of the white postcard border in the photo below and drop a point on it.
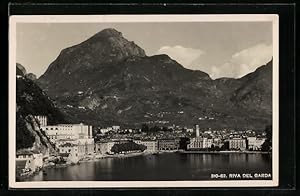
(14, 19)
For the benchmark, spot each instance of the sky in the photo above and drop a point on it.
(221, 49)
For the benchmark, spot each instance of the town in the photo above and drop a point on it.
(75, 143)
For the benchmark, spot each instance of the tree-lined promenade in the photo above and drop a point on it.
(128, 147)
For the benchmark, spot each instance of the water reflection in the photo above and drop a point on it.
(167, 166)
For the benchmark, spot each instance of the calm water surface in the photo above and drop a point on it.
(166, 166)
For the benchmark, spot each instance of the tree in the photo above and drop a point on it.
(115, 148)
(267, 145)
(225, 146)
(212, 147)
(183, 143)
(165, 129)
(145, 128)
(268, 131)
(155, 129)
(128, 146)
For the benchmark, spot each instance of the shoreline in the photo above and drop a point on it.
(98, 157)
(222, 152)
(103, 156)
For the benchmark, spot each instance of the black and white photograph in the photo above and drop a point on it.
(143, 101)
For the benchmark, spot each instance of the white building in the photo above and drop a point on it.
(195, 143)
(109, 128)
(104, 147)
(255, 143)
(128, 130)
(78, 134)
(68, 131)
(152, 146)
(207, 142)
(237, 144)
(31, 161)
(200, 143)
(42, 120)
(116, 127)
(73, 152)
(104, 130)
(207, 132)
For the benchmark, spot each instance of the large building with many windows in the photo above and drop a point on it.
(237, 144)
(255, 143)
(200, 143)
(43, 120)
(168, 144)
(68, 131)
(76, 134)
(151, 145)
(72, 152)
(195, 143)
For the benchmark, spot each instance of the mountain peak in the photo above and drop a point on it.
(109, 32)
(105, 47)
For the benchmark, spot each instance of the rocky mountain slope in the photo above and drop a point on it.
(31, 100)
(21, 71)
(108, 80)
(256, 90)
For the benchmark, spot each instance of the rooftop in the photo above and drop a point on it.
(27, 152)
(64, 154)
(66, 139)
(68, 145)
(20, 164)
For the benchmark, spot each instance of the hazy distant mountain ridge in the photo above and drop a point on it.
(108, 80)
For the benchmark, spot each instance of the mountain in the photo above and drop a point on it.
(31, 101)
(105, 47)
(108, 80)
(31, 76)
(21, 71)
(256, 90)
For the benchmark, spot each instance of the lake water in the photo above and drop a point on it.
(165, 166)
